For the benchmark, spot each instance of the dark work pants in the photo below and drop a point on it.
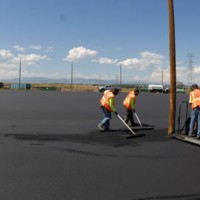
(128, 116)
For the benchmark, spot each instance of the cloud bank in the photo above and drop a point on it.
(147, 67)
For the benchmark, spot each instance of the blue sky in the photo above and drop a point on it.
(98, 36)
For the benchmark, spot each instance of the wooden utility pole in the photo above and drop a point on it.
(172, 109)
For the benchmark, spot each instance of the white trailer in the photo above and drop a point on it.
(158, 88)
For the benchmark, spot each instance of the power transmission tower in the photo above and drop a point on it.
(190, 67)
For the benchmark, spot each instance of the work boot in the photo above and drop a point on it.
(190, 134)
(100, 127)
(194, 134)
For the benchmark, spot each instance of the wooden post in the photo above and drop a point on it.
(172, 109)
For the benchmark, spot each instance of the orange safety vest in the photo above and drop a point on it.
(105, 99)
(195, 98)
(127, 100)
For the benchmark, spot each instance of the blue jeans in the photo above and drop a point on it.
(195, 116)
(106, 119)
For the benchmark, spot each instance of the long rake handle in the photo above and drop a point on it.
(138, 119)
(126, 124)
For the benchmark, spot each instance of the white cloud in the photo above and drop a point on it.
(7, 74)
(151, 60)
(130, 63)
(19, 48)
(8, 70)
(5, 54)
(35, 47)
(9, 64)
(147, 61)
(146, 68)
(50, 49)
(158, 75)
(104, 60)
(191, 74)
(183, 74)
(79, 53)
(149, 55)
(196, 69)
(30, 59)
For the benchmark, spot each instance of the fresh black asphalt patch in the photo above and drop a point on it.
(115, 138)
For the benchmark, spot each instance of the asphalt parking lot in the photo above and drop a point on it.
(50, 149)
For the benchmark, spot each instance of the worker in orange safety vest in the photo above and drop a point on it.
(195, 106)
(107, 105)
(129, 104)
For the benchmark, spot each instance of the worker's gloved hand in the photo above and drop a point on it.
(116, 113)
